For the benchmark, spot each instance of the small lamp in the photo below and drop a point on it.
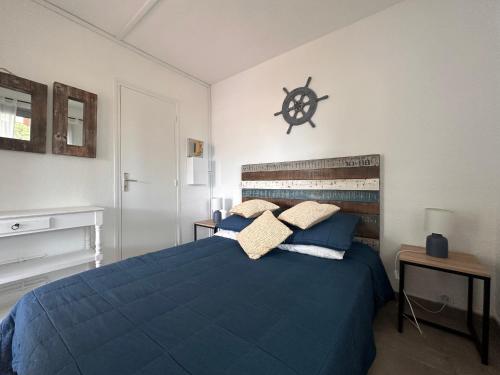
(438, 223)
(216, 207)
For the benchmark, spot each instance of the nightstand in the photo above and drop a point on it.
(459, 264)
(204, 224)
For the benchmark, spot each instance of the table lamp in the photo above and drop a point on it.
(216, 207)
(438, 223)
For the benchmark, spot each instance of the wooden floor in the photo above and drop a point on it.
(434, 353)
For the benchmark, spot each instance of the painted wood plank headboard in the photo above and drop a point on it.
(352, 183)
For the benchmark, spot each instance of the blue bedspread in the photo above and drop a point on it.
(201, 308)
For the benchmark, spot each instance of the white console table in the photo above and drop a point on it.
(18, 223)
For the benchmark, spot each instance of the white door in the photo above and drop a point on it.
(148, 164)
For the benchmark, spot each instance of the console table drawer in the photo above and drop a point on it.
(24, 225)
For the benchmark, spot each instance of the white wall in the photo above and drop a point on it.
(45, 47)
(414, 83)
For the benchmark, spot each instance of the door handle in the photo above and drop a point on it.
(126, 181)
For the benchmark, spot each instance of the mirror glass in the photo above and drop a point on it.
(75, 123)
(15, 114)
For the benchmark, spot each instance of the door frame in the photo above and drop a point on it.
(118, 191)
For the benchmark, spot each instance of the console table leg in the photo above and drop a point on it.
(401, 304)
(486, 322)
(470, 298)
(98, 246)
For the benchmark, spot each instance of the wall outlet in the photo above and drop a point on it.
(446, 299)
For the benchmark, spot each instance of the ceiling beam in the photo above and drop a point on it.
(74, 18)
(136, 18)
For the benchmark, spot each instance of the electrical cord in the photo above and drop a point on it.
(396, 258)
(396, 275)
(412, 313)
(443, 306)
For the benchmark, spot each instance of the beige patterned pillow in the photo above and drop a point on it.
(263, 235)
(306, 214)
(253, 208)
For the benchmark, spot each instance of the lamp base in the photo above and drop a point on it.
(436, 245)
(217, 217)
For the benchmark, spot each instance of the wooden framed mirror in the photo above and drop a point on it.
(23, 114)
(74, 127)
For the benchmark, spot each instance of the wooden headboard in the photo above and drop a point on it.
(352, 183)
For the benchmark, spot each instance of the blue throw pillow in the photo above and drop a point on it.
(235, 223)
(336, 232)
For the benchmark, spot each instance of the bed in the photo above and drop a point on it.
(203, 308)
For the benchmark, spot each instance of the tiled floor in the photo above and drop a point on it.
(434, 353)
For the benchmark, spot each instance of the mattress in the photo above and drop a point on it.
(202, 308)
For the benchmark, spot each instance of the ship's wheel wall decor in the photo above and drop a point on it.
(299, 106)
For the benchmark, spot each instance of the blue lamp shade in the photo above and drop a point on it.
(216, 207)
(438, 224)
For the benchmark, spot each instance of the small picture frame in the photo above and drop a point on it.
(195, 148)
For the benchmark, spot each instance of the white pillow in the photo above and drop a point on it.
(231, 234)
(315, 251)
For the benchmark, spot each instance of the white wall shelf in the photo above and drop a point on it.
(16, 223)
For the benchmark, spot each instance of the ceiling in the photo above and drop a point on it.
(214, 39)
